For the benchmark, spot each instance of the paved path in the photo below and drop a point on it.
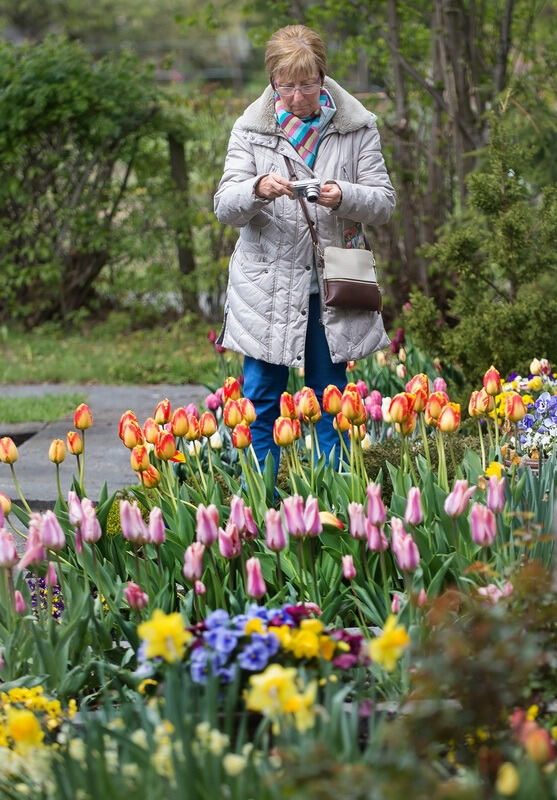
(106, 457)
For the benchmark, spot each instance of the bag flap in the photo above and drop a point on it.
(347, 264)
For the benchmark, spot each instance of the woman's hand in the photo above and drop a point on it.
(330, 195)
(272, 185)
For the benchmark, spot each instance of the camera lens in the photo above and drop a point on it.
(312, 194)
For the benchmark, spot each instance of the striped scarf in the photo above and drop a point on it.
(303, 134)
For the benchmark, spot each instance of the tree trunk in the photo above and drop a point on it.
(186, 255)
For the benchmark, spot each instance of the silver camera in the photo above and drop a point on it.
(308, 189)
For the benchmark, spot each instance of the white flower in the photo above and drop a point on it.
(234, 764)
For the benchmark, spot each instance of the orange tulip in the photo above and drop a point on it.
(179, 421)
(57, 451)
(139, 458)
(150, 430)
(340, 423)
(150, 477)
(193, 428)
(287, 406)
(8, 451)
(132, 434)
(207, 424)
(449, 418)
(331, 399)
(231, 389)
(419, 386)
(308, 405)
(163, 412)
(74, 443)
(283, 432)
(126, 417)
(165, 446)
(241, 436)
(352, 406)
(435, 403)
(492, 381)
(232, 413)
(401, 406)
(515, 409)
(82, 418)
(408, 424)
(248, 410)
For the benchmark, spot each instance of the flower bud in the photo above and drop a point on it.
(230, 544)
(357, 520)
(348, 568)
(376, 511)
(165, 446)
(57, 451)
(414, 513)
(213, 401)
(207, 524)
(331, 399)
(139, 458)
(492, 381)
(193, 561)
(163, 412)
(75, 511)
(275, 536)
(401, 371)
(340, 423)
(247, 410)
(457, 500)
(132, 523)
(127, 416)
(19, 603)
(435, 402)
(151, 477)
(82, 418)
(136, 598)
(408, 425)
(241, 436)
(132, 434)
(51, 534)
(231, 389)
(199, 587)
(193, 434)
(308, 405)
(287, 406)
(381, 358)
(232, 414)
(150, 430)
(312, 520)
(377, 542)
(401, 406)
(179, 422)
(8, 552)
(51, 578)
(216, 441)
(283, 432)
(482, 525)
(90, 526)
(496, 494)
(449, 418)
(157, 532)
(8, 451)
(74, 443)
(207, 424)
(5, 504)
(255, 585)
(293, 508)
(515, 409)
(352, 406)
(395, 604)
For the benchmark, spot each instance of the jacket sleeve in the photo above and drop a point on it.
(371, 199)
(235, 201)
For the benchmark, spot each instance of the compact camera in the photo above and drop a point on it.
(308, 189)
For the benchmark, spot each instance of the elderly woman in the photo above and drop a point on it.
(274, 312)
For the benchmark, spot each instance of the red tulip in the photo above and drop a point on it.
(352, 406)
(401, 406)
(165, 446)
(231, 389)
(515, 409)
(419, 386)
(126, 417)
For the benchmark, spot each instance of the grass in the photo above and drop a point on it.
(114, 352)
(38, 409)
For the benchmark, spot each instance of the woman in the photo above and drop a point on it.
(274, 312)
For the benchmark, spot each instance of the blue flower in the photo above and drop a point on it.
(526, 422)
(257, 611)
(269, 640)
(199, 667)
(254, 657)
(223, 640)
(227, 673)
(239, 621)
(217, 618)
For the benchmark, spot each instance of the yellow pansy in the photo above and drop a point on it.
(283, 634)
(327, 647)
(165, 636)
(254, 625)
(305, 644)
(527, 399)
(313, 625)
(535, 383)
(387, 648)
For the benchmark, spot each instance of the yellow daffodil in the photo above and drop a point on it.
(165, 636)
(24, 729)
(387, 648)
(271, 689)
(495, 468)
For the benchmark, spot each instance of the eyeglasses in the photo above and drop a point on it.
(305, 88)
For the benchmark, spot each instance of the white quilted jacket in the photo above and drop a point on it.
(271, 267)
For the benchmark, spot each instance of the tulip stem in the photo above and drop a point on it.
(442, 479)
(201, 475)
(280, 581)
(343, 449)
(363, 559)
(312, 559)
(364, 627)
(496, 423)
(210, 458)
(82, 465)
(482, 448)
(385, 580)
(58, 485)
(18, 489)
(406, 451)
(453, 459)
(301, 568)
(424, 438)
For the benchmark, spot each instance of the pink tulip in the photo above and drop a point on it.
(51, 576)
(199, 587)
(135, 596)
(293, 508)
(395, 604)
(237, 516)
(376, 413)
(457, 500)
(8, 552)
(376, 512)
(362, 388)
(34, 550)
(74, 509)
(52, 535)
(132, 523)
(157, 533)
(255, 584)
(376, 540)
(348, 568)
(19, 602)
(212, 401)
(496, 494)
(312, 520)
(191, 408)
(404, 547)
(422, 598)
(491, 592)
(376, 397)
(230, 544)
(414, 513)
(90, 527)
(439, 385)
(250, 529)
(357, 520)
(275, 536)
(193, 561)
(397, 530)
(482, 525)
(207, 527)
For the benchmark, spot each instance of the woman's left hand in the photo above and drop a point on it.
(330, 195)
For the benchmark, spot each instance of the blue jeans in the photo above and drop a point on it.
(264, 384)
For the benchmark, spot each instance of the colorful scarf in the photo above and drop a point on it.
(303, 134)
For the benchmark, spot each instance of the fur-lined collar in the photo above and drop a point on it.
(350, 115)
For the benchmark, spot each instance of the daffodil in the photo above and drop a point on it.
(495, 468)
(270, 690)
(388, 648)
(24, 729)
(165, 636)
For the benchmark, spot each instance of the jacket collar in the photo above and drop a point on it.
(350, 115)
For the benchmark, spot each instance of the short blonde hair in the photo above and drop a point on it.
(296, 51)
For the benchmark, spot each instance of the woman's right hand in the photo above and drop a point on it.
(273, 185)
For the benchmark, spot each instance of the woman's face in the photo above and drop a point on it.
(300, 97)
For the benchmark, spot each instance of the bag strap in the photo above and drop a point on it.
(311, 224)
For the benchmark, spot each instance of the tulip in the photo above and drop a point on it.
(193, 561)
(287, 406)
(19, 603)
(348, 568)
(139, 458)
(341, 423)
(179, 422)
(132, 434)
(230, 544)
(51, 577)
(293, 508)
(473, 409)
(238, 512)
(331, 399)
(51, 534)
(8, 552)
(231, 389)
(165, 446)
(515, 409)
(132, 523)
(362, 388)
(90, 527)
(241, 436)
(381, 358)
(151, 477)
(538, 746)
(212, 401)
(193, 433)
(414, 513)
(402, 354)
(157, 533)
(75, 511)
(283, 431)
(207, 424)
(405, 548)
(150, 430)
(34, 549)
(5, 505)
(8, 451)
(199, 587)
(400, 371)
(136, 598)
(207, 524)
(275, 536)
(422, 598)
(309, 405)
(496, 494)
(457, 500)
(248, 410)
(232, 414)
(484, 402)
(395, 604)
(375, 397)
(435, 403)
(127, 416)
(191, 408)
(482, 525)
(357, 520)
(312, 520)
(194, 448)
(57, 451)
(385, 406)
(353, 408)
(376, 540)
(508, 779)
(82, 418)
(492, 381)
(255, 585)
(535, 367)
(449, 418)
(439, 385)
(419, 387)
(401, 406)
(408, 425)
(216, 441)
(74, 443)
(163, 412)
(376, 512)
